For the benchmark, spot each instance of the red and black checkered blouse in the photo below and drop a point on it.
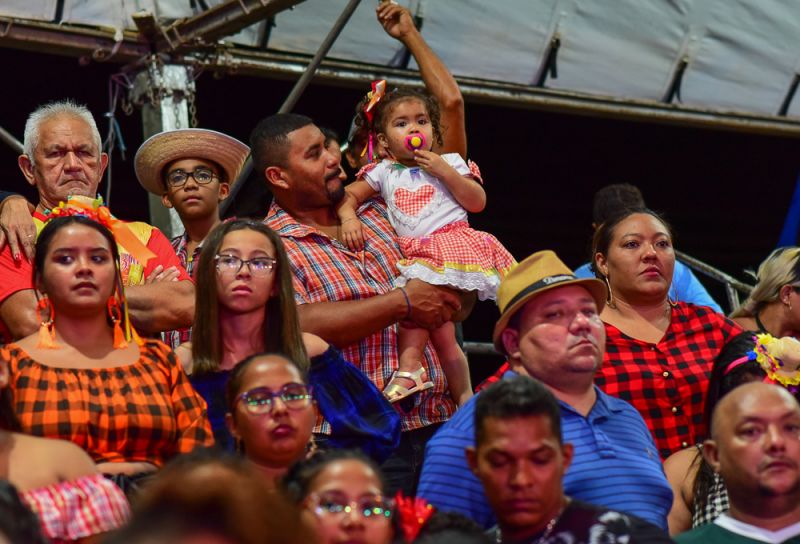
(143, 412)
(667, 381)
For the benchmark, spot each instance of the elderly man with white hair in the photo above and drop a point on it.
(63, 159)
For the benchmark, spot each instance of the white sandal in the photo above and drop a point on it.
(395, 392)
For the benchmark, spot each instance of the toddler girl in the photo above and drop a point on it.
(428, 197)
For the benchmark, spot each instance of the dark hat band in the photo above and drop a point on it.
(541, 284)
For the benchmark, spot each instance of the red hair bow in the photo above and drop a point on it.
(413, 513)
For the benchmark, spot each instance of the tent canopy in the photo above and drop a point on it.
(728, 57)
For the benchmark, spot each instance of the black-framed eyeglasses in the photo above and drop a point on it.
(231, 264)
(370, 508)
(178, 178)
(295, 396)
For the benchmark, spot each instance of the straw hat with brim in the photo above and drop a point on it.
(187, 143)
(537, 274)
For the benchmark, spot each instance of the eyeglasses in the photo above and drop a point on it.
(258, 266)
(260, 400)
(178, 178)
(371, 508)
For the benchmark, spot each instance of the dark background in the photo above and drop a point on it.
(725, 193)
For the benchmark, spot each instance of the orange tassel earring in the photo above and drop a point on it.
(47, 330)
(115, 314)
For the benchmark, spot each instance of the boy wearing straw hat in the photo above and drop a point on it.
(550, 329)
(192, 170)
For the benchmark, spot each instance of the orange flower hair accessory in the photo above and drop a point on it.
(96, 211)
(412, 513)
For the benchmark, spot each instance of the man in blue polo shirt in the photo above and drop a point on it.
(550, 329)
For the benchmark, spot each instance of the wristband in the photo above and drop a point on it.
(408, 304)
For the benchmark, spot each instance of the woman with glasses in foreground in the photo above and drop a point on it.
(270, 412)
(343, 492)
(245, 305)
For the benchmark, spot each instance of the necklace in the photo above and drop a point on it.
(547, 530)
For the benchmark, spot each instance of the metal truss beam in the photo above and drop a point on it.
(211, 25)
(352, 74)
(71, 40)
(100, 45)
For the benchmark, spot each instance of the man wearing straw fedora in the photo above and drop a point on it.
(192, 170)
(550, 329)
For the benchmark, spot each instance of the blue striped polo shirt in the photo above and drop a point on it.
(615, 464)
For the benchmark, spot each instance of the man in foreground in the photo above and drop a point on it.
(520, 459)
(550, 329)
(755, 447)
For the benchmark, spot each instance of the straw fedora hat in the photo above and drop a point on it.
(533, 276)
(187, 143)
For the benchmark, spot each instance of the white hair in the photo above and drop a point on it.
(55, 109)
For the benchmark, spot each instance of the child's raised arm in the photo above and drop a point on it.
(354, 194)
(467, 191)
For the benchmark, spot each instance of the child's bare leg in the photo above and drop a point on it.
(454, 362)
(411, 376)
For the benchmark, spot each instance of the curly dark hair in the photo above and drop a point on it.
(384, 108)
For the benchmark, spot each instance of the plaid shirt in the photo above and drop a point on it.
(177, 337)
(146, 411)
(667, 381)
(325, 270)
(77, 509)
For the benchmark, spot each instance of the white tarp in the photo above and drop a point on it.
(742, 54)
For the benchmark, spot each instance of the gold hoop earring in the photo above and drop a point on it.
(672, 303)
(610, 296)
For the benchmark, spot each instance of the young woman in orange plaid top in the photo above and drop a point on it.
(428, 197)
(128, 404)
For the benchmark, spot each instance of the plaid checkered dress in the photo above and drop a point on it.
(143, 412)
(667, 381)
(77, 509)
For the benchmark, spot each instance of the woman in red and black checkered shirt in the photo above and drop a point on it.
(128, 404)
(658, 351)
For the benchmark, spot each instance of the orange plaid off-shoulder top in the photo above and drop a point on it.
(143, 412)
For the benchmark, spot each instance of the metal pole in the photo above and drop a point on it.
(713, 273)
(164, 92)
(305, 79)
(294, 96)
(12, 142)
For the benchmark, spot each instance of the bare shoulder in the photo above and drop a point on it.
(184, 355)
(37, 462)
(747, 323)
(314, 344)
(679, 465)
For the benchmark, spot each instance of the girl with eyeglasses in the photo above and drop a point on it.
(271, 412)
(245, 304)
(343, 494)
